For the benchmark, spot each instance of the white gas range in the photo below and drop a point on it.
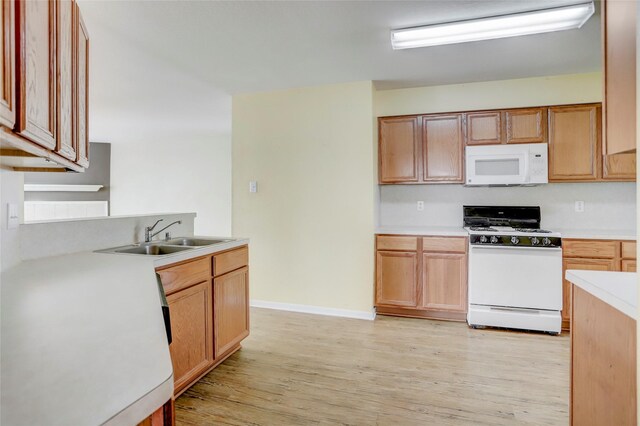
(515, 269)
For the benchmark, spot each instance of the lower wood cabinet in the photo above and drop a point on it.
(163, 416)
(593, 255)
(424, 277)
(603, 363)
(397, 278)
(209, 312)
(444, 281)
(192, 332)
(231, 310)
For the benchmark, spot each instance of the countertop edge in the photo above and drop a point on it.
(426, 232)
(145, 406)
(601, 293)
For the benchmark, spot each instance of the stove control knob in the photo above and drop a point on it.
(546, 241)
(494, 239)
(535, 241)
(515, 240)
(483, 238)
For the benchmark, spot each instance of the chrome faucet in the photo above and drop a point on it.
(148, 236)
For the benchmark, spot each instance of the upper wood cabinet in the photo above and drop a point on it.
(81, 89)
(37, 72)
(619, 47)
(443, 148)
(66, 143)
(575, 150)
(574, 142)
(525, 125)
(574, 134)
(7, 68)
(484, 128)
(399, 149)
(619, 167)
(44, 85)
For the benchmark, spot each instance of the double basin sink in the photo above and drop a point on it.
(161, 248)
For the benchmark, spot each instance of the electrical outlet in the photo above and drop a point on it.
(579, 207)
(420, 206)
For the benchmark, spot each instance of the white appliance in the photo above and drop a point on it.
(515, 271)
(502, 165)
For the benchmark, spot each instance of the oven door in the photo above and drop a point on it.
(517, 277)
(497, 169)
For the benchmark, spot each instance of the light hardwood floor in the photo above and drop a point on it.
(299, 369)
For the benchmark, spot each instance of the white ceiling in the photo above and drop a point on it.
(199, 52)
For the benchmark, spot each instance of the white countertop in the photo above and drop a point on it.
(82, 341)
(618, 289)
(83, 338)
(597, 234)
(448, 231)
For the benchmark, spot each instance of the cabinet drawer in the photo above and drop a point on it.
(230, 261)
(178, 277)
(590, 248)
(388, 242)
(445, 244)
(628, 249)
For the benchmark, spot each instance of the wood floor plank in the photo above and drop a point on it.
(300, 369)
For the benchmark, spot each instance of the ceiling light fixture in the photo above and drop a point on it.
(517, 24)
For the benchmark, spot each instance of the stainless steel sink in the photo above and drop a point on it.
(152, 250)
(194, 242)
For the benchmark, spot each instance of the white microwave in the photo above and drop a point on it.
(501, 165)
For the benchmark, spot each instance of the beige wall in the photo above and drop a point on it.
(563, 89)
(311, 223)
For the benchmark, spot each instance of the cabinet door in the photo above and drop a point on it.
(399, 150)
(397, 278)
(444, 281)
(583, 265)
(66, 144)
(443, 146)
(37, 72)
(230, 310)
(81, 90)
(484, 128)
(628, 265)
(574, 133)
(619, 37)
(192, 333)
(619, 167)
(528, 125)
(7, 68)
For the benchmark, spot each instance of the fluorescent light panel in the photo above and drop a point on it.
(518, 24)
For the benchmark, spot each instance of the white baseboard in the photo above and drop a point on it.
(318, 310)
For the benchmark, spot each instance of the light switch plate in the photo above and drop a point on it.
(253, 186)
(13, 220)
